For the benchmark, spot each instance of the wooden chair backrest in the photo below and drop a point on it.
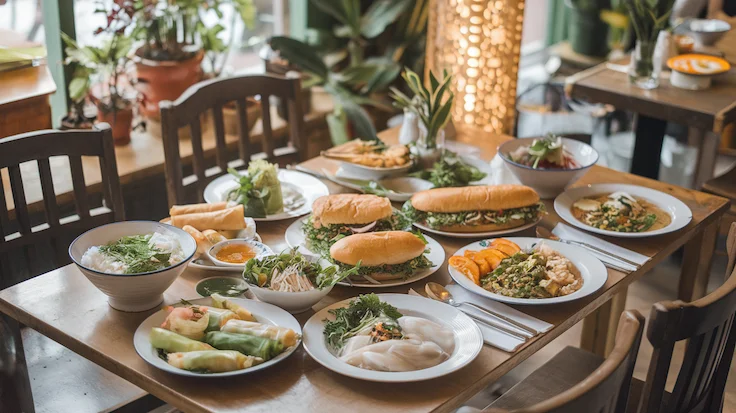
(211, 96)
(606, 390)
(708, 324)
(19, 229)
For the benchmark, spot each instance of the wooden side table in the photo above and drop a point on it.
(702, 111)
(24, 100)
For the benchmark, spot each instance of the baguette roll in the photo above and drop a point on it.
(350, 209)
(377, 248)
(226, 219)
(196, 208)
(474, 198)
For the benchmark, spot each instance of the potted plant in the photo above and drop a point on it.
(587, 33)
(172, 32)
(358, 58)
(78, 90)
(108, 63)
(648, 17)
(432, 109)
(617, 19)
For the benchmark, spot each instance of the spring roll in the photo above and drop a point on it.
(218, 318)
(219, 301)
(213, 236)
(203, 243)
(227, 219)
(213, 361)
(196, 208)
(190, 322)
(249, 345)
(286, 336)
(175, 343)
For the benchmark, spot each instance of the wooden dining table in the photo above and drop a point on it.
(66, 307)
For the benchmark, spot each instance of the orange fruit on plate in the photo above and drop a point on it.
(502, 241)
(506, 249)
(483, 265)
(492, 255)
(467, 267)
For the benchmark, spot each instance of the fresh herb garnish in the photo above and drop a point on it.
(549, 148)
(450, 171)
(137, 254)
(247, 194)
(367, 310)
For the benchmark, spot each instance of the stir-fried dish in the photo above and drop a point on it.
(620, 212)
(546, 153)
(504, 268)
(374, 335)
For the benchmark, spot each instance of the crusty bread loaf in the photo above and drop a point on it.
(377, 248)
(350, 209)
(512, 223)
(474, 198)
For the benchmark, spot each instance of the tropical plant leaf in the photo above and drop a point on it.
(380, 14)
(357, 74)
(359, 118)
(300, 54)
(334, 9)
(78, 88)
(382, 79)
(442, 116)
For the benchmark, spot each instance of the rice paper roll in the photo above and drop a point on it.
(229, 218)
(196, 208)
(218, 318)
(249, 345)
(219, 301)
(189, 321)
(212, 361)
(285, 336)
(175, 343)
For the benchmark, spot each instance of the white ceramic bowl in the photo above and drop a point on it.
(132, 292)
(294, 303)
(549, 182)
(372, 173)
(259, 248)
(707, 31)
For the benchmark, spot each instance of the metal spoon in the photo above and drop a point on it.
(440, 293)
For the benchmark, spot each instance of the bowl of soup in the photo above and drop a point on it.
(235, 253)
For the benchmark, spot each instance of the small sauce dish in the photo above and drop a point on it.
(235, 253)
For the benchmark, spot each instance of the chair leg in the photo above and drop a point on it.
(15, 386)
(696, 263)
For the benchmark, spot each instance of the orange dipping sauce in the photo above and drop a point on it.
(235, 253)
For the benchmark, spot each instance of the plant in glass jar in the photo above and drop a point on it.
(176, 35)
(648, 17)
(100, 71)
(432, 108)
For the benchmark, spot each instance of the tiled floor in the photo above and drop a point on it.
(659, 284)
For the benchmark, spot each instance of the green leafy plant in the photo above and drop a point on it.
(648, 17)
(108, 62)
(450, 171)
(429, 104)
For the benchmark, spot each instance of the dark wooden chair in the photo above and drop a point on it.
(212, 96)
(725, 186)
(708, 325)
(38, 242)
(576, 381)
(25, 234)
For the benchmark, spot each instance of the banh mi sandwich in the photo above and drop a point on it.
(337, 216)
(382, 256)
(475, 208)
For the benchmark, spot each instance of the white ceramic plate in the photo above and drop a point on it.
(295, 237)
(355, 170)
(477, 234)
(203, 264)
(468, 340)
(264, 313)
(591, 269)
(299, 190)
(680, 213)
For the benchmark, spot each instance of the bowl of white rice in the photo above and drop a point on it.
(133, 262)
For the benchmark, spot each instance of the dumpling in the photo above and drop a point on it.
(190, 322)
(397, 355)
(426, 330)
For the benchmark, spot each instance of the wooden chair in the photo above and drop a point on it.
(725, 186)
(575, 381)
(41, 240)
(23, 233)
(211, 96)
(708, 325)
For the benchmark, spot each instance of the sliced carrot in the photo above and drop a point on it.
(502, 241)
(467, 267)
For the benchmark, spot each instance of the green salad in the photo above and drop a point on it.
(365, 311)
(450, 171)
(292, 271)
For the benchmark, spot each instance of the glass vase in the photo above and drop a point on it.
(430, 148)
(645, 66)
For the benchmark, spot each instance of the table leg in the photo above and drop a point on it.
(599, 328)
(707, 143)
(15, 387)
(648, 146)
(696, 263)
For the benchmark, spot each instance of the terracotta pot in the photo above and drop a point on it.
(165, 80)
(230, 116)
(120, 121)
